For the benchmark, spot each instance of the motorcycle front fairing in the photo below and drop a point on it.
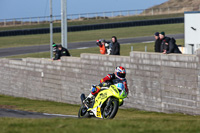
(102, 97)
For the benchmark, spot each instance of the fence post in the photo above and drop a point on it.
(21, 21)
(152, 11)
(145, 48)
(45, 20)
(104, 15)
(54, 18)
(131, 48)
(168, 10)
(13, 21)
(4, 22)
(38, 20)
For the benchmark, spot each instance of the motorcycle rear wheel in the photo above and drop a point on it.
(111, 111)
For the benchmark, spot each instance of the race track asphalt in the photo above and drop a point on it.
(76, 45)
(26, 114)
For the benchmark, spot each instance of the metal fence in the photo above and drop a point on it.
(97, 15)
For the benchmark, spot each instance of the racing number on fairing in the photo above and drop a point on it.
(98, 112)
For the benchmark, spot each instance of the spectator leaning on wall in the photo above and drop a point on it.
(157, 42)
(61, 52)
(55, 48)
(115, 50)
(172, 47)
(163, 46)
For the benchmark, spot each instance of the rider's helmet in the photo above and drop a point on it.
(120, 72)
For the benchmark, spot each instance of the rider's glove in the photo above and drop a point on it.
(94, 89)
(104, 84)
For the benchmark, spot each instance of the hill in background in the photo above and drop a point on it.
(174, 6)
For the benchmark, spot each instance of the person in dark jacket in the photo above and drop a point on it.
(61, 52)
(172, 47)
(115, 50)
(157, 42)
(163, 47)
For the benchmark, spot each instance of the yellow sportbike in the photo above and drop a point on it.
(105, 105)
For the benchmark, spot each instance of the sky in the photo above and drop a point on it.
(34, 8)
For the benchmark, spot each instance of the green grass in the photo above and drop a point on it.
(126, 120)
(38, 106)
(125, 50)
(93, 21)
(40, 39)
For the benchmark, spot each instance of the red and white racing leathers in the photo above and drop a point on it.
(113, 80)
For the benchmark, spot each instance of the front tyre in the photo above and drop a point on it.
(110, 110)
(82, 113)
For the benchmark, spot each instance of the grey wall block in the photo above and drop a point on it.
(157, 82)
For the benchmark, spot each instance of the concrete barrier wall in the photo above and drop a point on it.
(157, 82)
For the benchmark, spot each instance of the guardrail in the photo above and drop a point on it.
(93, 27)
(97, 15)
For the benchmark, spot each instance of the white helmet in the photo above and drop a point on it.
(120, 72)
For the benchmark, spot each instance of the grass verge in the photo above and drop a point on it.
(126, 120)
(125, 50)
(40, 39)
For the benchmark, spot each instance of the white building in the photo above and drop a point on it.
(192, 31)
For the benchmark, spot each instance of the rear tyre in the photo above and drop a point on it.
(109, 112)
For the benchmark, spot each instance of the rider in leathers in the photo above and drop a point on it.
(118, 76)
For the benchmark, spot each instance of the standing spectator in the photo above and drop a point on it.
(61, 52)
(115, 50)
(162, 38)
(157, 42)
(101, 46)
(106, 44)
(172, 47)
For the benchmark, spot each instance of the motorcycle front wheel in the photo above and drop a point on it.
(82, 113)
(110, 110)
